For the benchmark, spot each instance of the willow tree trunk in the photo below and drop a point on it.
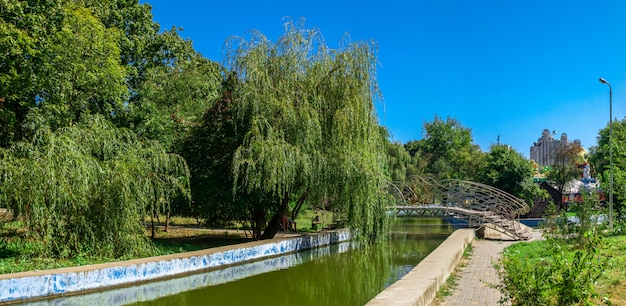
(274, 225)
(20, 116)
(299, 203)
(152, 222)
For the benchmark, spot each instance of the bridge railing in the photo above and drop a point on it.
(458, 193)
(476, 202)
(481, 197)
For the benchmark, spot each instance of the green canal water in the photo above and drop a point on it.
(350, 277)
(340, 274)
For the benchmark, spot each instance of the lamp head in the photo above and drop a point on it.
(602, 80)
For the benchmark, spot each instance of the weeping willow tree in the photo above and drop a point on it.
(86, 188)
(311, 130)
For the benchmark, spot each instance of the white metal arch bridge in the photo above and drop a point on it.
(477, 203)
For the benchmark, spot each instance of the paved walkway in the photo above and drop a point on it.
(473, 283)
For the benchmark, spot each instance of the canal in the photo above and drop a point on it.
(340, 274)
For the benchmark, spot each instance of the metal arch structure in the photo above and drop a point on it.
(477, 203)
(482, 197)
(419, 190)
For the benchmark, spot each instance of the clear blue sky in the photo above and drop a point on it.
(502, 68)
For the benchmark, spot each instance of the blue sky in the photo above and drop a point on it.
(503, 68)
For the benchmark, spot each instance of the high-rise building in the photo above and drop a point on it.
(545, 149)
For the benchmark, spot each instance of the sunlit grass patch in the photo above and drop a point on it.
(612, 283)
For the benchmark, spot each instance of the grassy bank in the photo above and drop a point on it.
(611, 285)
(18, 254)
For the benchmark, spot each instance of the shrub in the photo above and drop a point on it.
(85, 188)
(565, 272)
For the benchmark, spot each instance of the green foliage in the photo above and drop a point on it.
(82, 72)
(86, 188)
(308, 120)
(398, 161)
(25, 29)
(506, 169)
(62, 62)
(564, 268)
(143, 45)
(448, 150)
(173, 100)
(209, 150)
(66, 58)
(599, 159)
(565, 276)
(586, 213)
(613, 281)
(522, 281)
(564, 170)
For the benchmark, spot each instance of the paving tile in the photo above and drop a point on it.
(474, 279)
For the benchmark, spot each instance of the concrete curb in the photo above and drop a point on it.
(47, 283)
(420, 285)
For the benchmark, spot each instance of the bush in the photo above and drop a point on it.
(565, 276)
(85, 189)
(565, 272)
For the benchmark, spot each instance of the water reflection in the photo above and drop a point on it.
(335, 275)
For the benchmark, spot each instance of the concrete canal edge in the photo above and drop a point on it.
(49, 283)
(420, 285)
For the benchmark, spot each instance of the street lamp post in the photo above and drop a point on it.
(602, 80)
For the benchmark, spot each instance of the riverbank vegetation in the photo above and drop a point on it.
(610, 286)
(315, 137)
(578, 263)
(19, 254)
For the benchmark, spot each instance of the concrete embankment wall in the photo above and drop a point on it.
(47, 283)
(420, 285)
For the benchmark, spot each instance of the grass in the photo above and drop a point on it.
(612, 284)
(305, 218)
(536, 249)
(178, 240)
(303, 221)
(451, 283)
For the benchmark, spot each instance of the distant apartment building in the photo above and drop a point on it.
(544, 151)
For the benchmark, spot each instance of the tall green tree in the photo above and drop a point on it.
(448, 149)
(81, 72)
(25, 29)
(63, 58)
(564, 169)
(307, 116)
(143, 46)
(209, 151)
(599, 159)
(87, 188)
(398, 161)
(506, 169)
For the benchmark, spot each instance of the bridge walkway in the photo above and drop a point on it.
(509, 227)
